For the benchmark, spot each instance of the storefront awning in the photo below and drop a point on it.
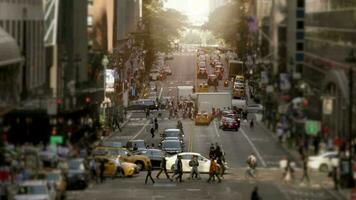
(9, 51)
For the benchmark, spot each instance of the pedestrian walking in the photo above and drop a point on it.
(147, 113)
(221, 162)
(92, 166)
(102, 169)
(156, 126)
(254, 194)
(179, 169)
(305, 168)
(316, 144)
(155, 120)
(194, 163)
(152, 132)
(251, 166)
(212, 151)
(217, 151)
(213, 170)
(163, 169)
(149, 173)
(288, 175)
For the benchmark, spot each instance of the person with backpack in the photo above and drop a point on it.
(194, 163)
(213, 170)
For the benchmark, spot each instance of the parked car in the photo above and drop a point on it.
(204, 163)
(35, 190)
(77, 174)
(171, 146)
(140, 144)
(227, 123)
(155, 156)
(322, 162)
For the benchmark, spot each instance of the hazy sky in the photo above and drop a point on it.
(196, 10)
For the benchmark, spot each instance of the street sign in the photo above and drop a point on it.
(327, 105)
(56, 139)
(312, 127)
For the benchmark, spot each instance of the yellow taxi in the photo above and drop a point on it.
(203, 87)
(239, 78)
(140, 160)
(114, 166)
(202, 119)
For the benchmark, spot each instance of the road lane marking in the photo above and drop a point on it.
(191, 139)
(254, 148)
(216, 129)
(140, 131)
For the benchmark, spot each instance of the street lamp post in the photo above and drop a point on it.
(352, 60)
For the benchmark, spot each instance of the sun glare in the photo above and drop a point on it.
(196, 10)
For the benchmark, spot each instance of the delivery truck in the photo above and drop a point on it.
(184, 92)
(217, 100)
(236, 67)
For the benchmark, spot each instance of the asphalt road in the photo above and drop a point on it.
(237, 146)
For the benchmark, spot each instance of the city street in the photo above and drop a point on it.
(236, 145)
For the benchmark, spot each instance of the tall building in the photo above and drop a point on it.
(101, 20)
(23, 73)
(330, 28)
(23, 21)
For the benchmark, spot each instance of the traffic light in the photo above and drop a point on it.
(87, 100)
(54, 131)
(60, 104)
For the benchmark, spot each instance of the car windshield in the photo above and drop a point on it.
(171, 144)
(171, 134)
(229, 120)
(76, 165)
(53, 177)
(139, 144)
(33, 189)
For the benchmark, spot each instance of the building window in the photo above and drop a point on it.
(299, 57)
(300, 3)
(300, 46)
(300, 35)
(90, 21)
(300, 13)
(300, 24)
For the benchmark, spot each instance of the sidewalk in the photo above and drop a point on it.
(326, 185)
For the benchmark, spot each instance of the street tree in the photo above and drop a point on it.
(161, 28)
(231, 23)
